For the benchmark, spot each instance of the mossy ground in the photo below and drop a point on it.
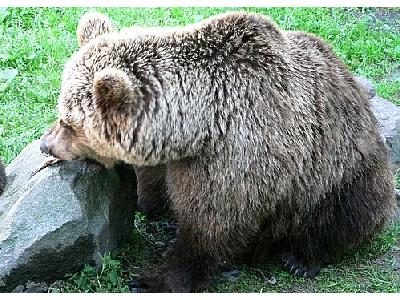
(35, 44)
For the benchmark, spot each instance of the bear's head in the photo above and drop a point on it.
(92, 83)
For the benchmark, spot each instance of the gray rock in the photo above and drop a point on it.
(231, 275)
(3, 179)
(397, 191)
(367, 85)
(324, 270)
(159, 244)
(272, 280)
(388, 116)
(66, 215)
(31, 287)
(396, 213)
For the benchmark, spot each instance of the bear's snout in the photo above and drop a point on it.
(44, 147)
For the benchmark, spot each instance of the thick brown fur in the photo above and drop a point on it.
(266, 139)
(152, 191)
(3, 177)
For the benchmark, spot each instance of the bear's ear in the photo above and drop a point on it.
(112, 86)
(91, 25)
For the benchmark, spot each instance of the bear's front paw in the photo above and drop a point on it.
(161, 280)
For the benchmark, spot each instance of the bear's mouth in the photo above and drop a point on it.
(52, 160)
(51, 155)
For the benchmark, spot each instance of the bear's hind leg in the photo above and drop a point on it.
(352, 215)
(207, 239)
(187, 268)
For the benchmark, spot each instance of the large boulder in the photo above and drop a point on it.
(64, 216)
(388, 115)
(367, 85)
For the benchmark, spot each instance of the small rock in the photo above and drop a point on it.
(35, 287)
(159, 244)
(57, 287)
(367, 85)
(398, 195)
(31, 287)
(19, 289)
(272, 280)
(324, 270)
(231, 275)
(396, 268)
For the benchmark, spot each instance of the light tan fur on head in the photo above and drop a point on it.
(67, 143)
(92, 25)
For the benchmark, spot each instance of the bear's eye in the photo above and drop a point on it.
(65, 125)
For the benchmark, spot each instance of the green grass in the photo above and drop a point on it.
(367, 269)
(108, 279)
(370, 268)
(35, 44)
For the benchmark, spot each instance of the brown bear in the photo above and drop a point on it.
(3, 178)
(265, 142)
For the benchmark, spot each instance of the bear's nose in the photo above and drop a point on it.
(44, 147)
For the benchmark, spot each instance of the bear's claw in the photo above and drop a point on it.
(297, 268)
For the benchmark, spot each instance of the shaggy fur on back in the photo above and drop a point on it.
(3, 178)
(267, 141)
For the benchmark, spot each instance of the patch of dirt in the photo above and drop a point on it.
(309, 287)
(389, 16)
